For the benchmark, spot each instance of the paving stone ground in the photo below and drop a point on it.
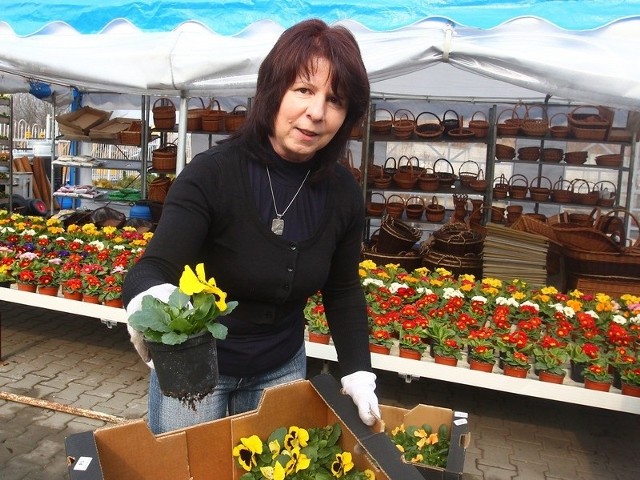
(78, 361)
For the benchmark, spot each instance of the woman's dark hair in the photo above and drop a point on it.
(293, 54)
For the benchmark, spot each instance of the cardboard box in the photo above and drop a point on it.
(460, 437)
(81, 120)
(131, 451)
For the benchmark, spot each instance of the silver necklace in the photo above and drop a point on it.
(277, 224)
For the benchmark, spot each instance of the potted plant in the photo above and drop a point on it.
(420, 444)
(446, 343)
(181, 335)
(111, 294)
(630, 378)
(550, 355)
(317, 326)
(72, 289)
(480, 352)
(596, 375)
(514, 353)
(580, 355)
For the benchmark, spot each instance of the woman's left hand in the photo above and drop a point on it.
(361, 386)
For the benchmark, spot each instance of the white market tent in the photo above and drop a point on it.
(584, 51)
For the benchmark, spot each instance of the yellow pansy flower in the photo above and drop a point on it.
(192, 283)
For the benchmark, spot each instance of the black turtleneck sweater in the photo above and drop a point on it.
(219, 211)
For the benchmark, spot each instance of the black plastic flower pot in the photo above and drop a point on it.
(187, 371)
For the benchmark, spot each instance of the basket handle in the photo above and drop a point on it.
(480, 174)
(381, 194)
(599, 185)
(164, 102)
(396, 195)
(502, 180)
(383, 110)
(198, 98)
(477, 169)
(235, 110)
(453, 172)
(534, 184)
(518, 177)
(211, 102)
(444, 116)
(421, 200)
(481, 113)
(530, 107)
(514, 114)
(429, 113)
(555, 115)
(395, 163)
(403, 114)
(578, 183)
(635, 245)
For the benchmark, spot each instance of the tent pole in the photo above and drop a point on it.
(182, 133)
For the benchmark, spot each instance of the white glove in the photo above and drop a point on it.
(360, 386)
(162, 293)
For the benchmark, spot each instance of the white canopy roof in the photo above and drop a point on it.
(416, 53)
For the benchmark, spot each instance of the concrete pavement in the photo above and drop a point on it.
(79, 362)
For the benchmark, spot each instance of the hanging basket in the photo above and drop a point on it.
(164, 114)
(479, 127)
(428, 130)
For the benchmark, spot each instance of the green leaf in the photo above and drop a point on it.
(218, 330)
(177, 299)
(173, 338)
(153, 318)
(230, 307)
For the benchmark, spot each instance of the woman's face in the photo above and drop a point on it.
(310, 114)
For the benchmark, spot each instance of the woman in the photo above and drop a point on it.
(274, 218)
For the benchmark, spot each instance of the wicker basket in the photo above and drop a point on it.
(445, 178)
(164, 114)
(234, 119)
(535, 127)
(592, 125)
(382, 181)
(457, 239)
(132, 135)
(428, 130)
(589, 239)
(409, 260)
(480, 127)
(562, 191)
(414, 207)
(467, 172)
(537, 192)
(165, 157)
(213, 119)
(529, 224)
(390, 166)
(395, 206)
(606, 196)
(435, 211)
(451, 123)
(396, 236)
(407, 178)
(382, 127)
(375, 209)
(529, 154)
(576, 158)
(410, 165)
(551, 155)
(518, 186)
(158, 189)
(404, 123)
(461, 133)
(510, 126)
(558, 131)
(500, 187)
(194, 115)
(428, 180)
(583, 192)
(479, 184)
(470, 264)
(505, 152)
(611, 160)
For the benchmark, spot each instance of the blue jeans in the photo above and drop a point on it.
(231, 396)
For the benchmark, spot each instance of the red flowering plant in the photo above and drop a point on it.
(112, 286)
(514, 348)
(411, 335)
(446, 341)
(631, 375)
(582, 353)
(380, 330)
(598, 371)
(72, 285)
(25, 268)
(622, 358)
(315, 316)
(550, 355)
(481, 345)
(91, 285)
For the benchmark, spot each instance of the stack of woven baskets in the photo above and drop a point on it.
(455, 247)
(395, 242)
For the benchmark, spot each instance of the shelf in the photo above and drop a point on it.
(569, 392)
(391, 138)
(562, 140)
(564, 164)
(104, 164)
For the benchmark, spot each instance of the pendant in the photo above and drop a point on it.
(277, 226)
